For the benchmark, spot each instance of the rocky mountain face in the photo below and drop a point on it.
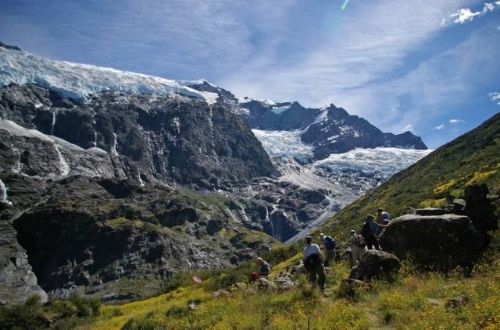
(111, 177)
(87, 234)
(145, 137)
(329, 130)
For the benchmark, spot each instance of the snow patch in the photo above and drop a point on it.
(280, 110)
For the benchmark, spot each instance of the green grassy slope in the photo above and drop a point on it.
(472, 158)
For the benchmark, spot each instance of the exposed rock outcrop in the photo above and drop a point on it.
(17, 280)
(433, 241)
(148, 137)
(86, 234)
(376, 264)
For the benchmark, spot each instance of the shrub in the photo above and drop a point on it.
(143, 323)
(85, 307)
(27, 316)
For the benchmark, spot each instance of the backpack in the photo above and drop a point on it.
(330, 243)
(366, 230)
(312, 261)
(360, 241)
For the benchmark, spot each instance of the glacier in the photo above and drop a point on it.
(345, 175)
(284, 144)
(80, 80)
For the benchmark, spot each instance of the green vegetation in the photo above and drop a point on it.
(471, 158)
(414, 301)
(58, 314)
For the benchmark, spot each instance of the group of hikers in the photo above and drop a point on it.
(314, 261)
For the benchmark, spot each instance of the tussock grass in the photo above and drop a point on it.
(414, 301)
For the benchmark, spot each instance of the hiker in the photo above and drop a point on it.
(329, 245)
(264, 269)
(369, 232)
(358, 247)
(313, 263)
(383, 218)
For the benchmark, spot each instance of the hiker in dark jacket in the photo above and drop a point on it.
(313, 263)
(369, 232)
(329, 244)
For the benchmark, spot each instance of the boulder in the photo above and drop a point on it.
(376, 264)
(457, 302)
(284, 281)
(430, 211)
(436, 241)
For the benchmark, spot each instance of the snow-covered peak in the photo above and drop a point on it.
(79, 80)
(197, 82)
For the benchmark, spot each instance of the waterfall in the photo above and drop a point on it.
(268, 219)
(141, 183)
(54, 115)
(113, 147)
(17, 164)
(63, 165)
(3, 194)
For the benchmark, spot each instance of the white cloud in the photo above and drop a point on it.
(465, 15)
(407, 128)
(495, 97)
(439, 127)
(455, 121)
(375, 42)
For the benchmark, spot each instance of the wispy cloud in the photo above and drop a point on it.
(408, 127)
(465, 15)
(495, 97)
(439, 127)
(375, 42)
(455, 121)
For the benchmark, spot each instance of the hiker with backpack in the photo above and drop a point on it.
(313, 263)
(369, 232)
(264, 269)
(329, 244)
(358, 247)
(383, 218)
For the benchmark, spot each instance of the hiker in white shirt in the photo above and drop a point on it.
(313, 262)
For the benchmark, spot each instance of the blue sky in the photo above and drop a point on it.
(432, 66)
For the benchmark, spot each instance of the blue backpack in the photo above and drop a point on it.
(330, 243)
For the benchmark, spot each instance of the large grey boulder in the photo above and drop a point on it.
(434, 241)
(376, 264)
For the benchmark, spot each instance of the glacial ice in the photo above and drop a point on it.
(80, 80)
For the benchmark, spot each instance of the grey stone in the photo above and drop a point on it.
(439, 241)
(376, 264)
